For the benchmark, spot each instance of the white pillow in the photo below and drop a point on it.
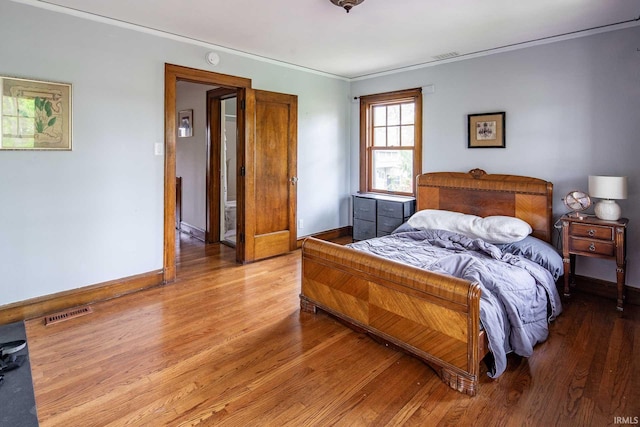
(492, 229)
(433, 219)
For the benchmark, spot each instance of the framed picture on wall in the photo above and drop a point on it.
(35, 115)
(486, 130)
(185, 123)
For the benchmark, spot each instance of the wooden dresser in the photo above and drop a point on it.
(376, 215)
(593, 237)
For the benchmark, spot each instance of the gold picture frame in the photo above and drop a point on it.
(35, 115)
(486, 130)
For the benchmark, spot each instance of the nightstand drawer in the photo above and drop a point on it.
(592, 231)
(590, 246)
(364, 208)
(390, 209)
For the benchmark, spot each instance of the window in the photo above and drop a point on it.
(390, 141)
(19, 120)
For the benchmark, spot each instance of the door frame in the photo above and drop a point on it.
(173, 74)
(214, 160)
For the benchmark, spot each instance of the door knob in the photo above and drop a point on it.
(294, 180)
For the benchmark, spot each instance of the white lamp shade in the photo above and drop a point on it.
(608, 187)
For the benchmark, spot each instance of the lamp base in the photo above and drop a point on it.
(608, 210)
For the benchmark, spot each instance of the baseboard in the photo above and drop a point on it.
(606, 289)
(41, 306)
(329, 234)
(193, 231)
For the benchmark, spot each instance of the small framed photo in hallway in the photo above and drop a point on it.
(185, 123)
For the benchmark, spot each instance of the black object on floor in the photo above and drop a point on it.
(11, 362)
(12, 347)
(17, 401)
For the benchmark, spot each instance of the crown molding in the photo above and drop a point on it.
(171, 36)
(486, 52)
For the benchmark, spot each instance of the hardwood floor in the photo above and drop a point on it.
(227, 345)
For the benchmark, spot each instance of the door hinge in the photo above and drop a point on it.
(243, 104)
(243, 171)
(241, 237)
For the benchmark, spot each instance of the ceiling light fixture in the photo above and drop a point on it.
(346, 4)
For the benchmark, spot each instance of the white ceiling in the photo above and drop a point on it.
(376, 36)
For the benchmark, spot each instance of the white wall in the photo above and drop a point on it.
(572, 110)
(72, 219)
(191, 153)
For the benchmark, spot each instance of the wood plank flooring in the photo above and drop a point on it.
(227, 345)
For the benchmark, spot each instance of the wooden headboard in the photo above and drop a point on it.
(482, 194)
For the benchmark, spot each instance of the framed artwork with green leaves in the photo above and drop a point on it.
(36, 115)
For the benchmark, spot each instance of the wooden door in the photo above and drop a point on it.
(267, 183)
(178, 203)
(214, 160)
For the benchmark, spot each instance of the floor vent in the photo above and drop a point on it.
(66, 315)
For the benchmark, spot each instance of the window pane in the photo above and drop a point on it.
(393, 136)
(9, 126)
(392, 170)
(18, 142)
(408, 114)
(9, 106)
(380, 116)
(380, 137)
(393, 115)
(408, 136)
(27, 127)
(26, 107)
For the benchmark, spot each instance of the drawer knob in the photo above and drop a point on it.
(591, 232)
(592, 247)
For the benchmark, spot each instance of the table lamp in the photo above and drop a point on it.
(608, 188)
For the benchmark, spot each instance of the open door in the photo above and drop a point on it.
(214, 160)
(267, 169)
(173, 74)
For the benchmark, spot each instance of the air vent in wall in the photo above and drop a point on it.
(66, 315)
(446, 55)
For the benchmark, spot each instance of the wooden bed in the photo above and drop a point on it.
(432, 316)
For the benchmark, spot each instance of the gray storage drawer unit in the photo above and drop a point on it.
(364, 218)
(377, 215)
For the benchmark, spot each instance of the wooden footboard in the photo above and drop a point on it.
(432, 316)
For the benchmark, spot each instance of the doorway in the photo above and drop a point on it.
(266, 173)
(222, 112)
(228, 198)
(193, 165)
(173, 74)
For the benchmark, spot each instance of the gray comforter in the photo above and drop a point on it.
(518, 298)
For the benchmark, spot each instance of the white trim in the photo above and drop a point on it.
(122, 24)
(134, 27)
(546, 40)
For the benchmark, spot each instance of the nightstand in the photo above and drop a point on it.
(593, 237)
